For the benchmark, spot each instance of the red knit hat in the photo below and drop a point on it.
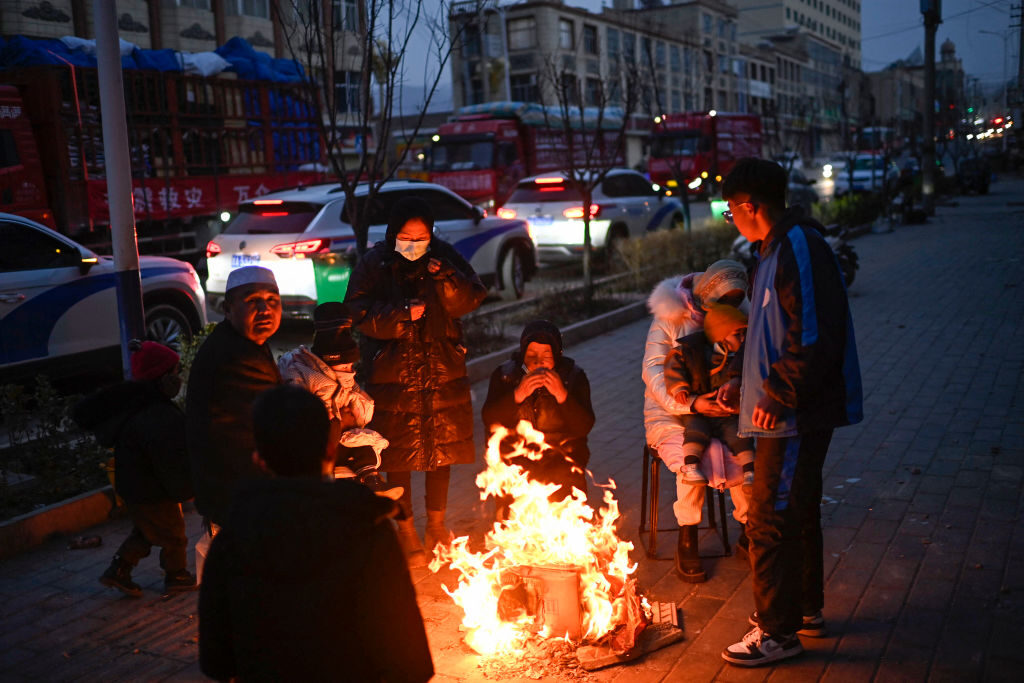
(153, 361)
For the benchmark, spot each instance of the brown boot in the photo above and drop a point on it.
(436, 532)
(409, 539)
(688, 557)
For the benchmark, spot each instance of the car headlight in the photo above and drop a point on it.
(695, 183)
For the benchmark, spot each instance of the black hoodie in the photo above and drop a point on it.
(306, 582)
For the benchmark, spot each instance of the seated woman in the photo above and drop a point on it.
(678, 306)
(540, 385)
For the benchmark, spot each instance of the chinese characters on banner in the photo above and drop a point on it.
(163, 198)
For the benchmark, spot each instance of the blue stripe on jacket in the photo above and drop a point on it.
(802, 254)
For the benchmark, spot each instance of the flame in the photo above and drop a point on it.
(538, 533)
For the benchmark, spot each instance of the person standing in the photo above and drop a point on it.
(306, 581)
(801, 380)
(140, 421)
(233, 366)
(407, 294)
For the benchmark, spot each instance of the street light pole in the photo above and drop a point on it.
(932, 18)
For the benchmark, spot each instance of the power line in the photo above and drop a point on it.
(916, 27)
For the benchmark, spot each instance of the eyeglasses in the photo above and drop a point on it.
(727, 214)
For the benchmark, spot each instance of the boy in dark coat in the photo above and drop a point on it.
(306, 580)
(540, 385)
(698, 365)
(140, 422)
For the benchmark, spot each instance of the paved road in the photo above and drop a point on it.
(924, 543)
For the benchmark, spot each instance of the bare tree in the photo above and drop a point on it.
(344, 54)
(592, 123)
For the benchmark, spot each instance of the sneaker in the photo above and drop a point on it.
(180, 581)
(813, 625)
(748, 484)
(692, 475)
(760, 647)
(119, 576)
(372, 480)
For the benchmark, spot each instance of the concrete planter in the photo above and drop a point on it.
(66, 517)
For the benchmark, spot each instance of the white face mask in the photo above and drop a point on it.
(412, 250)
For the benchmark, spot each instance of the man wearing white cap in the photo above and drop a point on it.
(232, 367)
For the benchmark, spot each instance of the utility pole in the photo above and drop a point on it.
(932, 11)
(119, 180)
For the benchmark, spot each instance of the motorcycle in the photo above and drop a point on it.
(836, 237)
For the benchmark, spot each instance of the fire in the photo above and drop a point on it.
(542, 539)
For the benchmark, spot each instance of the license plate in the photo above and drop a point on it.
(541, 220)
(239, 260)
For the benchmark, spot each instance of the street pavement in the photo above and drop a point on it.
(924, 548)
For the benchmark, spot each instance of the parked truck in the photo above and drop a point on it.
(198, 147)
(487, 148)
(698, 149)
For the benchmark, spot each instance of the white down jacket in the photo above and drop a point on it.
(676, 315)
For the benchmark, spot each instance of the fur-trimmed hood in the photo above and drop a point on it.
(672, 299)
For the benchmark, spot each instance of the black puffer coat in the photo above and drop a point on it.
(306, 582)
(565, 425)
(147, 432)
(417, 375)
(229, 372)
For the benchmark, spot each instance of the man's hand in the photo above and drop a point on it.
(707, 404)
(433, 266)
(416, 309)
(767, 413)
(553, 383)
(527, 385)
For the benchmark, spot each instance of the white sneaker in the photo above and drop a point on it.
(692, 475)
(759, 647)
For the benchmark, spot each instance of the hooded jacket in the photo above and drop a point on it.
(800, 347)
(228, 373)
(147, 432)
(417, 372)
(306, 582)
(565, 425)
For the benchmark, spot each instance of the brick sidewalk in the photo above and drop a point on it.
(924, 548)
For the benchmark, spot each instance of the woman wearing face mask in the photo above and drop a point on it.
(407, 294)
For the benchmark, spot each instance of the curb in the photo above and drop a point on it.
(66, 517)
(482, 367)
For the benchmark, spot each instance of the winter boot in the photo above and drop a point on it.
(119, 576)
(437, 532)
(409, 539)
(688, 557)
(371, 479)
(180, 581)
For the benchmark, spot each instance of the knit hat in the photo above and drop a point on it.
(152, 361)
(332, 334)
(541, 332)
(720, 278)
(249, 275)
(722, 320)
(404, 210)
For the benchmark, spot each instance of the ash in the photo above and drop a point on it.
(550, 658)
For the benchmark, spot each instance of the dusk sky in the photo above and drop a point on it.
(890, 30)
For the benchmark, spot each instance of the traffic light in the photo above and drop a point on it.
(997, 121)
(970, 110)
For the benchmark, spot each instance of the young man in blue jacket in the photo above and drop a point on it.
(800, 381)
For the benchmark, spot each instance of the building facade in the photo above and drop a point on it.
(833, 21)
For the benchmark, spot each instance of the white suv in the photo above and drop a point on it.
(625, 204)
(58, 303)
(303, 236)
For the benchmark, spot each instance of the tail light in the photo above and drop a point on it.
(298, 248)
(212, 249)
(576, 212)
(268, 202)
(507, 214)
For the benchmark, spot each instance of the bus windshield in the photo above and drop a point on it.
(683, 144)
(462, 155)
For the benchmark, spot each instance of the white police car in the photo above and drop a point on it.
(299, 234)
(625, 204)
(58, 303)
